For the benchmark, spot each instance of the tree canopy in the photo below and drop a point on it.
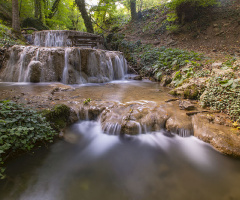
(84, 15)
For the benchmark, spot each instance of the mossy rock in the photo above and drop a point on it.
(190, 92)
(58, 116)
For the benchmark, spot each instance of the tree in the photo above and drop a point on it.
(53, 9)
(37, 7)
(133, 10)
(15, 16)
(87, 19)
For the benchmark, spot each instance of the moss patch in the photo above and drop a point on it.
(58, 116)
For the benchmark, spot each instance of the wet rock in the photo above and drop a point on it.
(131, 128)
(35, 71)
(219, 136)
(186, 105)
(67, 65)
(155, 120)
(133, 118)
(180, 124)
(139, 78)
(61, 88)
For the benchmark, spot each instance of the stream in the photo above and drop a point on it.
(93, 165)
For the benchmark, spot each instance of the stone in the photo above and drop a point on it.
(35, 68)
(219, 136)
(186, 105)
(180, 124)
(166, 80)
(137, 78)
(131, 128)
(191, 89)
(68, 65)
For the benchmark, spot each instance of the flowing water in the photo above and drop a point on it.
(96, 166)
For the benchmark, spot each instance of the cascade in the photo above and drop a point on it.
(52, 60)
(55, 38)
(70, 65)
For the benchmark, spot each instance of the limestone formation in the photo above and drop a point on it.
(35, 71)
(219, 136)
(67, 65)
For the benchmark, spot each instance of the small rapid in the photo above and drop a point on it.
(92, 165)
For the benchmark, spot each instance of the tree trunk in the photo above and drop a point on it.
(53, 9)
(15, 16)
(37, 7)
(133, 10)
(42, 13)
(87, 19)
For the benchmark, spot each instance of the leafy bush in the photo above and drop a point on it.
(20, 130)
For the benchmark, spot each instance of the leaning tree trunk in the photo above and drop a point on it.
(133, 9)
(87, 19)
(15, 16)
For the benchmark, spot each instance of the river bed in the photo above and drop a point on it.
(96, 166)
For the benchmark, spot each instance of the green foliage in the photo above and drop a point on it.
(87, 101)
(6, 37)
(172, 59)
(223, 93)
(155, 61)
(21, 129)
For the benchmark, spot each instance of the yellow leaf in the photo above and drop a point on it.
(235, 124)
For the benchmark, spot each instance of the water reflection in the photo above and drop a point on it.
(96, 166)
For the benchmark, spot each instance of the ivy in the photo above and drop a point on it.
(223, 93)
(21, 129)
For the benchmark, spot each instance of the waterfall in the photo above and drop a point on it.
(51, 38)
(22, 66)
(56, 38)
(65, 69)
(81, 79)
(71, 65)
(112, 128)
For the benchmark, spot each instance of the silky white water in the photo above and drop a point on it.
(92, 165)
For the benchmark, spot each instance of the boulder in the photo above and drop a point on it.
(180, 124)
(186, 105)
(219, 136)
(191, 89)
(35, 68)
